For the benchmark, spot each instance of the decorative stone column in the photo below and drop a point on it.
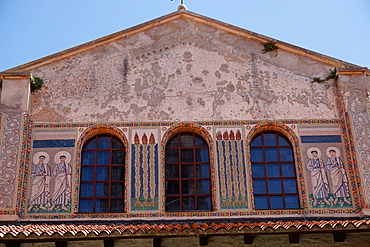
(354, 85)
(14, 108)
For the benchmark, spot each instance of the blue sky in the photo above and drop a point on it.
(32, 29)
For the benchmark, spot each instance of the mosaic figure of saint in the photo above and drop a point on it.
(320, 184)
(62, 186)
(40, 188)
(338, 175)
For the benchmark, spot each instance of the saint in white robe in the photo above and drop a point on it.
(320, 184)
(40, 188)
(338, 177)
(63, 182)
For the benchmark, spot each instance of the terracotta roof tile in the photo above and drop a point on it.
(27, 230)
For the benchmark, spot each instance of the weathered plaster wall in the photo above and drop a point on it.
(182, 70)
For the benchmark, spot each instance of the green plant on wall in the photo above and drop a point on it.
(318, 80)
(332, 75)
(269, 46)
(36, 83)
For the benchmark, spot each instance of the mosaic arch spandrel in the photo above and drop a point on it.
(293, 138)
(197, 129)
(232, 174)
(144, 169)
(86, 134)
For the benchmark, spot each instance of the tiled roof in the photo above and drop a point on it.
(66, 230)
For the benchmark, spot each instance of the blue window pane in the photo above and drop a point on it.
(272, 154)
(270, 139)
(116, 205)
(256, 154)
(261, 202)
(118, 157)
(259, 186)
(290, 186)
(188, 203)
(273, 170)
(274, 186)
(174, 142)
(86, 205)
(91, 145)
(186, 141)
(117, 189)
(173, 203)
(291, 201)
(87, 174)
(102, 189)
(187, 155)
(87, 190)
(104, 142)
(88, 158)
(203, 171)
(258, 170)
(173, 188)
(101, 205)
(286, 154)
(172, 155)
(257, 141)
(117, 144)
(117, 173)
(201, 155)
(187, 171)
(276, 202)
(200, 143)
(102, 173)
(203, 187)
(103, 158)
(172, 171)
(188, 187)
(204, 203)
(283, 142)
(288, 170)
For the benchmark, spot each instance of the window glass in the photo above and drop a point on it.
(273, 172)
(187, 170)
(102, 175)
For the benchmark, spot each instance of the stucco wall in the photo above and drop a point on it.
(182, 70)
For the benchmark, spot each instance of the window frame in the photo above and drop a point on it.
(120, 166)
(180, 178)
(281, 177)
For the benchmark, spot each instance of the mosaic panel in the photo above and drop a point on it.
(50, 175)
(8, 159)
(231, 165)
(326, 172)
(144, 169)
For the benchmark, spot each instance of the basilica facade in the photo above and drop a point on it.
(185, 130)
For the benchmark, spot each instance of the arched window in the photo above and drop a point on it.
(102, 175)
(188, 175)
(273, 172)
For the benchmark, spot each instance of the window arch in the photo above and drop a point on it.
(273, 172)
(187, 173)
(102, 175)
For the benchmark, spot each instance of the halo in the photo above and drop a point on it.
(37, 155)
(314, 149)
(337, 151)
(60, 153)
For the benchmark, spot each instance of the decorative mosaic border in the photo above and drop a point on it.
(169, 128)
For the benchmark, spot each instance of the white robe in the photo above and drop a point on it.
(63, 182)
(40, 188)
(320, 184)
(338, 177)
